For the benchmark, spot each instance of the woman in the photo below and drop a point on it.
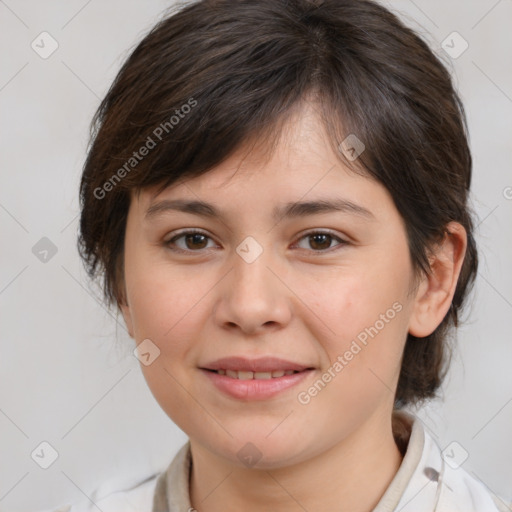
(276, 197)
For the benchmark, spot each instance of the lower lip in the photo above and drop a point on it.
(255, 389)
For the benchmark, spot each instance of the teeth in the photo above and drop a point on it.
(244, 375)
(262, 375)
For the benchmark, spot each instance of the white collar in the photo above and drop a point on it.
(428, 481)
(423, 483)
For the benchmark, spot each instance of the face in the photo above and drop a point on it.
(322, 292)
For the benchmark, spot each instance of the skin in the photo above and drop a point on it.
(302, 299)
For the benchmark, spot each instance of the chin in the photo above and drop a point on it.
(260, 452)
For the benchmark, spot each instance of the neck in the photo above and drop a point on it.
(350, 476)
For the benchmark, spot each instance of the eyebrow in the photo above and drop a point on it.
(288, 210)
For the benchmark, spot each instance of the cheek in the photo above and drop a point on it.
(358, 301)
(366, 309)
(169, 310)
(368, 318)
(160, 299)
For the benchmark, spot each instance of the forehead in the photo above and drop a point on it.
(302, 166)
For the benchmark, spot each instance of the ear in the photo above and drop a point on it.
(435, 292)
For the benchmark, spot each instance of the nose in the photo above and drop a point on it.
(253, 297)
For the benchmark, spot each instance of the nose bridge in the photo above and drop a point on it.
(253, 296)
(252, 280)
(250, 268)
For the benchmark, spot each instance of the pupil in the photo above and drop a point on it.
(195, 238)
(321, 237)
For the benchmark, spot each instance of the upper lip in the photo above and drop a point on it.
(262, 364)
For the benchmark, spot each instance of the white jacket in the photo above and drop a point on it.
(425, 482)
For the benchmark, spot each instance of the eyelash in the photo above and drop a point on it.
(168, 244)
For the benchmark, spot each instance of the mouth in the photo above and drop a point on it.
(262, 365)
(254, 379)
(248, 375)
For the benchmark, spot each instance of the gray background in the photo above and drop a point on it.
(68, 375)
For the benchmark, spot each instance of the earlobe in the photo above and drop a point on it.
(435, 292)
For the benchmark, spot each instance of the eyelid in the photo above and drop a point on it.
(188, 231)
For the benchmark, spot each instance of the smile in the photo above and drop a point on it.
(249, 386)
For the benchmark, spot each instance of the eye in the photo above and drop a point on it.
(196, 241)
(320, 241)
(193, 240)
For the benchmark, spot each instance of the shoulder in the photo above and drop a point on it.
(113, 496)
(431, 479)
(460, 491)
(473, 493)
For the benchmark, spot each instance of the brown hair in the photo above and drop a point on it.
(218, 73)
